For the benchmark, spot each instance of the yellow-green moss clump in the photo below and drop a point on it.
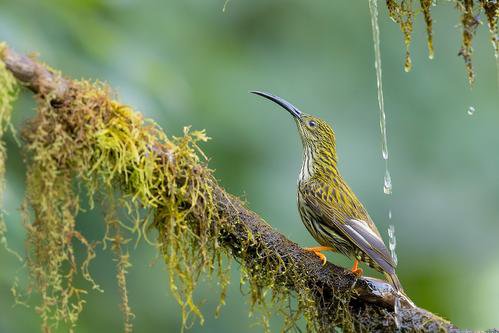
(85, 143)
(8, 94)
(402, 12)
(87, 139)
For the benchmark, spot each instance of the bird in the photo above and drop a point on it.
(328, 207)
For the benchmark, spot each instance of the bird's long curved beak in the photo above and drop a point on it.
(285, 104)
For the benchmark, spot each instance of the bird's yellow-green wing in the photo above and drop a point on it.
(355, 230)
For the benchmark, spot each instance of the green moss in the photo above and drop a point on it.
(89, 140)
(8, 95)
(270, 285)
(402, 12)
(491, 9)
(469, 22)
(426, 9)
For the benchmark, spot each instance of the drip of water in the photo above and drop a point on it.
(471, 110)
(225, 6)
(373, 8)
(387, 183)
(392, 243)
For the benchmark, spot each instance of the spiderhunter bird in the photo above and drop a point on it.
(329, 209)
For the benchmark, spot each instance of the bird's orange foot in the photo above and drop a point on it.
(356, 269)
(317, 251)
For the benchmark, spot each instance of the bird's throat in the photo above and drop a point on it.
(317, 163)
(307, 168)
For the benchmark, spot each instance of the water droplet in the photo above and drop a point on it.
(385, 154)
(390, 214)
(387, 186)
(391, 230)
(373, 8)
(392, 243)
(225, 6)
(471, 110)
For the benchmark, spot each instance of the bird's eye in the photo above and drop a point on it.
(311, 123)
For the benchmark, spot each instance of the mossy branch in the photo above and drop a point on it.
(81, 135)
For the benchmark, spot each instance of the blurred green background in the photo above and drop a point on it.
(187, 62)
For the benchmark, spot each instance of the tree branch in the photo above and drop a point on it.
(370, 302)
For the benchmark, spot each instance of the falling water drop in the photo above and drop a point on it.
(373, 8)
(387, 184)
(225, 6)
(390, 214)
(471, 110)
(392, 244)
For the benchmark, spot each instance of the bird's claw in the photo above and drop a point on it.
(358, 272)
(321, 256)
(356, 269)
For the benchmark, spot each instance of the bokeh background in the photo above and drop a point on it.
(188, 63)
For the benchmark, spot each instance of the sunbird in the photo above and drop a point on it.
(328, 208)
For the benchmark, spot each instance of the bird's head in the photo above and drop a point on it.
(315, 133)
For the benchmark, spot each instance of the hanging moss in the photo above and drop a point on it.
(96, 142)
(425, 8)
(8, 94)
(470, 23)
(402, 12)
(491, 9)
